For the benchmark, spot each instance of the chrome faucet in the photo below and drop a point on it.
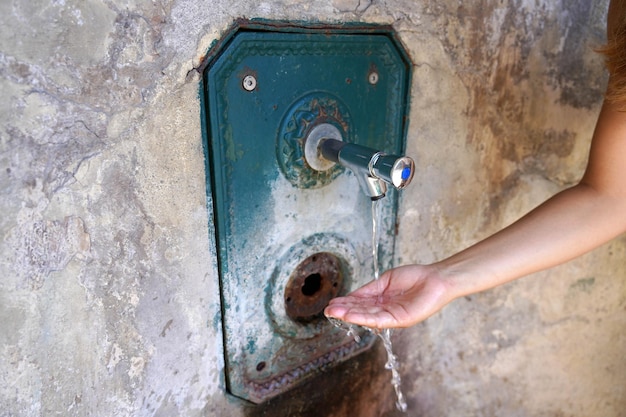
(373, 169)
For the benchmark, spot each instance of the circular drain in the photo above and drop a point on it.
(305, 277)
(311, 286)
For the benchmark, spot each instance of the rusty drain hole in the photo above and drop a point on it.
(311, 285)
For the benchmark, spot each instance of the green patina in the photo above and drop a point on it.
(264, 86)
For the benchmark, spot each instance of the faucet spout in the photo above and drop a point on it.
(358, 159)
(374, 169)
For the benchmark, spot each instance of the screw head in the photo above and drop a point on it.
(249, 83)
(373, 77)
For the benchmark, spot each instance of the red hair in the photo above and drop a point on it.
(615, 53)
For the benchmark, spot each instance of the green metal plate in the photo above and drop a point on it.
(262, 92)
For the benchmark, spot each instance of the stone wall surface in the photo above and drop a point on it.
(109, 296)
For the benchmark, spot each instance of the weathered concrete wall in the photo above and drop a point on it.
(109, 298)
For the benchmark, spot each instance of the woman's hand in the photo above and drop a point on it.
(401, 297)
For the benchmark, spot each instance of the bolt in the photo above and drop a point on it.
(373, 77)
(249, 83)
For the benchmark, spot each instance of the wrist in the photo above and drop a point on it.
(461, 278)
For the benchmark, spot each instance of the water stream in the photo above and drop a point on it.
(384, 334)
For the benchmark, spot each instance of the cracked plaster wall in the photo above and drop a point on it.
(109, 298)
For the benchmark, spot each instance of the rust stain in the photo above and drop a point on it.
(314, 282)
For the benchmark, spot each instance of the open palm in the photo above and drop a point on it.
(401, 297)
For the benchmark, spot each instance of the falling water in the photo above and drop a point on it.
(385, 334)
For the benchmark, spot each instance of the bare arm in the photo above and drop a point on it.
(569, 224)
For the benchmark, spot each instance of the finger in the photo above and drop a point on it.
(378, 320)
(336, 311)
(339, 308)
(355, 301)
(364, 314)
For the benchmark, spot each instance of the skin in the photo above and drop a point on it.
(569, 224)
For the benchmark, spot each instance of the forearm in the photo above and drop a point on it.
(569, 224)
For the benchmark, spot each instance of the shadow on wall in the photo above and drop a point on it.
(359, 387)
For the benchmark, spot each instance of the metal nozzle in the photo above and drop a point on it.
(373, 169)
(396, 170)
